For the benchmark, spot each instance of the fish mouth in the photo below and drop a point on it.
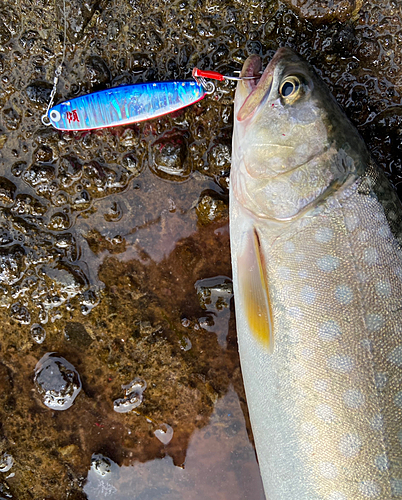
(256, 90)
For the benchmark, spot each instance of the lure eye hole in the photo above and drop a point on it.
(55, 115)
(289, 87)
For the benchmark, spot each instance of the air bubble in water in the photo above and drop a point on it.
(6, 462)
(38, 333)
(100, 464)
(57, 381)
(133, 392)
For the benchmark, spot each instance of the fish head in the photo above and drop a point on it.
(291, 141)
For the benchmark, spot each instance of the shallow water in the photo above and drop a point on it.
(114, 247)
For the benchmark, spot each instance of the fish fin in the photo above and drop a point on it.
(254, 289)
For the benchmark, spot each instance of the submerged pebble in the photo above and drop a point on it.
(164, 434)
(38, 333)
(57, 381)
(133, 392)
(6, 462)
(100, 464)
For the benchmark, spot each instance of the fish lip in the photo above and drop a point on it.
(251, 67)
(258, 91)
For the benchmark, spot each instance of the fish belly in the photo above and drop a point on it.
(326, 403)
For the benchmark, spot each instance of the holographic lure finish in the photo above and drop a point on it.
(126, 104)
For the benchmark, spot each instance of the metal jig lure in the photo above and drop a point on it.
(123, 105)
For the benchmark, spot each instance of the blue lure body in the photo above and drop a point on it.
(124, 105)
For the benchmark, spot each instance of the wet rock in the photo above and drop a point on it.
(326, 10)
(38, 333)
(79, 14)
(69, 278)
(7, 191)
(140, 63)
(18, 168)
(39, 174)
(38, 94)
(98, 72)
(44, 154)
(70, 171)
(20, 313)
(77, 334)
(211, 208)
(12, 264)
(26, 205)
(11, 118)
(130, 162)
(57, 381)
(59, 222)
(169, 158)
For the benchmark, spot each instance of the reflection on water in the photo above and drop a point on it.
(220, 465)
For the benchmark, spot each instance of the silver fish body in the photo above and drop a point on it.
(316, 238)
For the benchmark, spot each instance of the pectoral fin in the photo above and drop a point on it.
(254, 289)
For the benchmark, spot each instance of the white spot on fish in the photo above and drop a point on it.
(384, 231)
(325, 413)
(307, 353)
(374, 322)
(337, 495)
(299, 370)
(377, 423)
(310, 429)
(396, 487)
(353, 398)
(344, 294)
(363, 236)
(321, 385)
(328, 470)
(351, 222)
(329, 330)
(342, 364)
(289, 247)
(396, 356)
(307, 447)
(367, 344)
(369, 489)
(398, 399)
(328, 263)
(308, 295)
(294, 336)
(303, 273)
(381, 462)
(370, 256)
(295, 312)
(380, 380)
(283, 273)
(324, 235)
(383, 289)
(349, 445)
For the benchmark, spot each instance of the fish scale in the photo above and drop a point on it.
(324, 389)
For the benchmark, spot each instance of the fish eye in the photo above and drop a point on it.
(289, 87)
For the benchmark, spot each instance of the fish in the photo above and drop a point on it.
(124, 105)
(316, 235)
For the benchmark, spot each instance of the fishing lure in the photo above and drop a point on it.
(132, 103)
(124, 105)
